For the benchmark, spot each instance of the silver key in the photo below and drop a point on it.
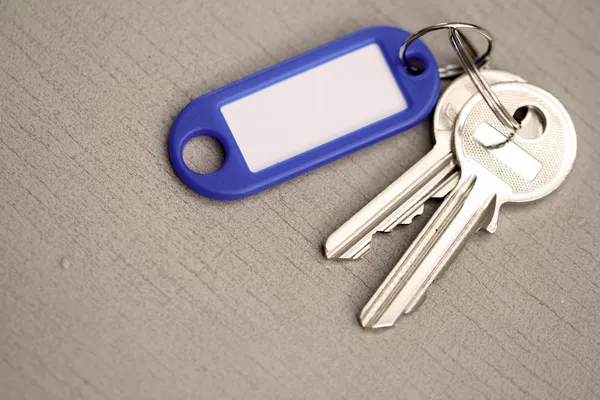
(434, 175)
(520, 170)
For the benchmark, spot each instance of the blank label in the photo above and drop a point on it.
(314, 107)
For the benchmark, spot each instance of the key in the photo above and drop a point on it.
(494, 171)
(434, 175)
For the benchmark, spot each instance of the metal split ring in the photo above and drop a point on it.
(469, 64)
(450, 71)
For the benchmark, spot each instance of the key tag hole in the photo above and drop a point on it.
(417, 67)
(533, 122)
(203, 154)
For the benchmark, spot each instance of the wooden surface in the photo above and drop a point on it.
(117, 282)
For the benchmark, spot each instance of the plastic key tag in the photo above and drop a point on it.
(307, 111)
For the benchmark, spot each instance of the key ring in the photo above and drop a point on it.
(452, 70)
(469, 64)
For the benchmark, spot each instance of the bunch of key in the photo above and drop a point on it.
(477, 164)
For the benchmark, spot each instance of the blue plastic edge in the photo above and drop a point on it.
(234, 180)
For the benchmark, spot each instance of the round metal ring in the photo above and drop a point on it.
(452, 70)
(470, 66)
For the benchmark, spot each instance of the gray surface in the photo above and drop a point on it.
(116, 282)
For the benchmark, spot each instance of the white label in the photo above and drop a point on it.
(314, 107)
(510, 154)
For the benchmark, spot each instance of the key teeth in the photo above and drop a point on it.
(406, 221)
(410, 218)
(363, 250)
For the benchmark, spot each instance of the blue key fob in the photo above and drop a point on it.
(307, 111)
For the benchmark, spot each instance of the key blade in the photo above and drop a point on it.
(466, 209)
(447, 187)
(399, 202)
(408, 219)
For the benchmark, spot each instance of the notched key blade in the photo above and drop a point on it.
(409, 220)
(447, 187)
(363, 246)
(398, 203)
(464, 211)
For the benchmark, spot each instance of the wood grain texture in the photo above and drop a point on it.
(117, 282)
